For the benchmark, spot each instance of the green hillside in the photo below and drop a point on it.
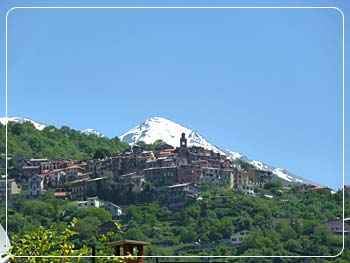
(26, 141)
(204, 226)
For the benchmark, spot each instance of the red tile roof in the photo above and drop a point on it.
(60, 194)
(30, 167)
(80, 181)
(160, 168)
(320, 187)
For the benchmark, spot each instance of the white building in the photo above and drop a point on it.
(91, 201)
(237, 238)
(113, 209)
(12, 188)
(247, 189)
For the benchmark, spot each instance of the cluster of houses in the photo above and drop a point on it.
(175, 173)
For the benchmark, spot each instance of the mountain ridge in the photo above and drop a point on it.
(91, 131)
(40, 126)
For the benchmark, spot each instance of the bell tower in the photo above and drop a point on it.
(183, 141)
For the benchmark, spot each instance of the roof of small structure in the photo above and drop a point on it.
(97, 179)
(38, 160)
(60, 194)
(321, 187)
(160, 168)
(177, 185)
(31, 167)
(8, 180)
(338, 220)
(42, 176)
(128, 242)
(84, 180)
(114, 205)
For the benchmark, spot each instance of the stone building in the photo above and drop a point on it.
(12, 188)
(174, 196)
(162, 176)
(36, 185)
(131, 182)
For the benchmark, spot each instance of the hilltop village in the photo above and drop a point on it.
(175, 175)
(175, 172)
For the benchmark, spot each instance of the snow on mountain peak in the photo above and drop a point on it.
(158, 128)
(37, 125)
(93, 132)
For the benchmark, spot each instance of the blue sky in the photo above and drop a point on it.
(263, 82)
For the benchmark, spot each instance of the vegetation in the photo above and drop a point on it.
(203, 227)
(243, 164)
(289, 223)
(58, 247)
(26, 141)
(150, 146)
(47, 242)
(49, 212)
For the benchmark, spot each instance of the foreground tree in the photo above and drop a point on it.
(49, 245)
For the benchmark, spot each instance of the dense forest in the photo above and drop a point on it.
(203, 226)
(26, 141)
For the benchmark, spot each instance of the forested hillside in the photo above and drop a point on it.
(26, 141)
(204, 226)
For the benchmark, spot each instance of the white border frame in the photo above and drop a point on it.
(185, 7)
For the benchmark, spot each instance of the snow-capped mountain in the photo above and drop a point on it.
(39, 126)
(93, 132)
(158, 128)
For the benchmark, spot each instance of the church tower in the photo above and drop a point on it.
(183, 141)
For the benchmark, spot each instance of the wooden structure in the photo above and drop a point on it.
(127, 248)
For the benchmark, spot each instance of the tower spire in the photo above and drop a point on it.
(183, 141)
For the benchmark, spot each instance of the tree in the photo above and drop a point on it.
(101, 214)
(58, 247)
(134, 233)
(188, 235)
(243, 164)
(101, 153)
(107, 189)
(273, 185)
(26, 141)
(47, 242)
(150, 146)
(286, 231)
